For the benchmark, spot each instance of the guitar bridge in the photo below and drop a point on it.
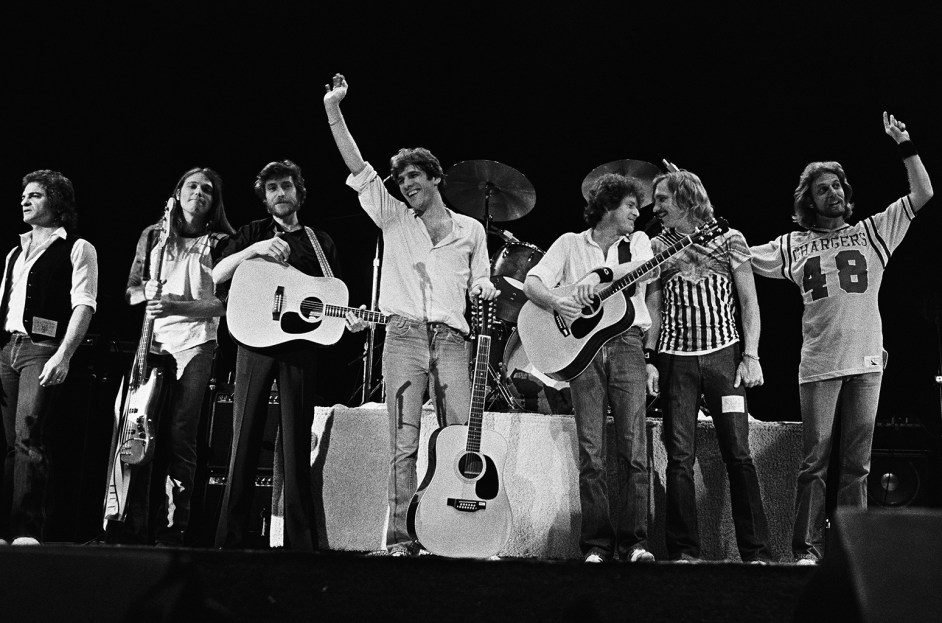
(278, 303)
(467, 506)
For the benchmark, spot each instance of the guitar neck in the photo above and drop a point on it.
(620, 284)
(339, 311)
(478, 390)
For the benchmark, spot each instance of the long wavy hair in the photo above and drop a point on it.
(805, 214)
(61, 195)
(216, 221)
(689, 193)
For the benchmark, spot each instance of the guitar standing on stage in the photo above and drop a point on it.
(616, 376)
(48, 296)
(282, 238)
(434, 258)
(700, 352)
(839, 268)
(185, 313)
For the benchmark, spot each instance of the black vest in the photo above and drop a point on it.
(48, 289)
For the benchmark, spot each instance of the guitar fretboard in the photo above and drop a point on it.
(478, 391)
(317, 308)
(620, 284)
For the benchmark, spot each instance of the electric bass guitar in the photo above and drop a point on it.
(136, 406)
(562, 350)
(461, 508)
(270, 303)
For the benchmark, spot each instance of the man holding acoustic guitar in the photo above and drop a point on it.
(616, 375)
(284, 239)
(434, 258)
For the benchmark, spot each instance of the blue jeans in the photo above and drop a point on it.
(683, 379)
(857, 397)
(173, 469)
(616, 377)
(26, 407)
(417, 356)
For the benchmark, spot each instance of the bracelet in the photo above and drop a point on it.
(649, 354)
(605, 274)
(753, 357)
(906, 149)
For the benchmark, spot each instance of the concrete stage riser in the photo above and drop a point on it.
(350, 462)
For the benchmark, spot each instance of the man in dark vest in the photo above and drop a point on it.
(47, 298)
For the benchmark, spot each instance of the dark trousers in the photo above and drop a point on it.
(683, 379)
(295, 369)
(26, 407)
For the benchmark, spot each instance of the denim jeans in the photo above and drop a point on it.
(173, 469)
(858, 396)
(417, 356)
(683, 379)
(26, 407)
(616, 377)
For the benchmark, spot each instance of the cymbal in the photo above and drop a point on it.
(644, 172)
(510, 193)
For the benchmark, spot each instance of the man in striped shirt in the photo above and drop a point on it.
(839, 268)
(700, 352)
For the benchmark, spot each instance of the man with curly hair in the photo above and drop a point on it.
(839, 269)
(616, 377)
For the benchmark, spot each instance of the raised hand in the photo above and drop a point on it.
(895, 128)
(335, 91)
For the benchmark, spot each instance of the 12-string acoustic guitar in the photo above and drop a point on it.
(136, 407)
(562, 350)
(271, 303)
(461, 508)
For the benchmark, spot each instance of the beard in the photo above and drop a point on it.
(283, 208)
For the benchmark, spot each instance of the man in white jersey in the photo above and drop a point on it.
(616, 376)
(839, 268)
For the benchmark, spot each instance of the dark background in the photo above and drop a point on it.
(124, 99)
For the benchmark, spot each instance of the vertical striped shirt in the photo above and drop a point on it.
(698, 307)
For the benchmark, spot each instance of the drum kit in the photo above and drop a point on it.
(494, 192)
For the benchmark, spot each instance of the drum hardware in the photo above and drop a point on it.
(642, 171)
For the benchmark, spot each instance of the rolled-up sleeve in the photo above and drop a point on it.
(84, 275)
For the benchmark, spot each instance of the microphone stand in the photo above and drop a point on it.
(367, 387)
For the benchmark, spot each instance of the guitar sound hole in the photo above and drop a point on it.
(470, 465)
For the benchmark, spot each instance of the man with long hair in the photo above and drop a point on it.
(839, 268)
(700, 352)
(48, 296)
(185, 313)
(616, 377)
(434, 258)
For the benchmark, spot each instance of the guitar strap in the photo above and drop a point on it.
(325, 266)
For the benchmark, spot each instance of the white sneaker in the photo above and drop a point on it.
(806, 561)
(594, 558)
(25, 540)
(641, 555)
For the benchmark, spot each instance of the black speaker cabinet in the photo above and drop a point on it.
(219, 429)
(904, 466)
(259, 528)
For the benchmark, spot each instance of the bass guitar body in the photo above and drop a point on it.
(461, 508)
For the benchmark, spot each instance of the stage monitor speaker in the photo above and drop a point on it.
(258, 530)
(880, 566)
(60, 583)
(904, 466)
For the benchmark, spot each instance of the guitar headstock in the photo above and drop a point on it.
(164, 224)
(482, 316)
(710, 230)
